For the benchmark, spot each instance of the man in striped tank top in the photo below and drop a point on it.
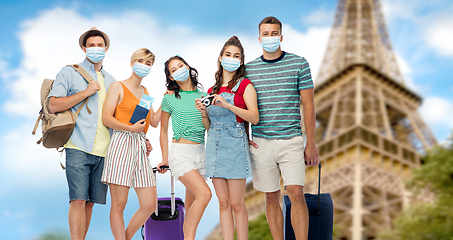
(283, 83)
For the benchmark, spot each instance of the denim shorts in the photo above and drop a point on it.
(83, 173)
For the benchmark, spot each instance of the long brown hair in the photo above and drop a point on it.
(240, 72)
(172, 85)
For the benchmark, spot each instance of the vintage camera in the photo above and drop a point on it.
(207, 100)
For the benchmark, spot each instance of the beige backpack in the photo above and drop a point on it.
(58, 127)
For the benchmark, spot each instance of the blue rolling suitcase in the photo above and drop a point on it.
(320, 210)
(168, 219)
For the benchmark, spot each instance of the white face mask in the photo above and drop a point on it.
(95, 54)
(141, 69)
(230, 64)
(181, 74)
(270, 44)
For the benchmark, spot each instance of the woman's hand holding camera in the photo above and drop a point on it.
(219, 101)
(201, 107)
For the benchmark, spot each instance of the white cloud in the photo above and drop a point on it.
(4, 73)
(406, 71)
(403, 65)
(440, 34)
(414, 10)
(437, 112)
(310, 45)
(49, 43)
(319, 17)
(28, 165)
(432, 21)
(398, 9)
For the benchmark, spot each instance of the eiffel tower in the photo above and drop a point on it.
(369, 133)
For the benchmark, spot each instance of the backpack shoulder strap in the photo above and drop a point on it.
(37, 122)
(82, 72)
(88, 78)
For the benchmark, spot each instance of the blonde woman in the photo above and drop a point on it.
(126, 162)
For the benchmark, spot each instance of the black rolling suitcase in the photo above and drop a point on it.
(320, 210)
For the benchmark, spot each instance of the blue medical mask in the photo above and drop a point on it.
(95, 54)
(230, 64)
(141, 69)
(181, 74)
(270, 44)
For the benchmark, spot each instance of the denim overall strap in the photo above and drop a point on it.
(235, 88)
(220, 117)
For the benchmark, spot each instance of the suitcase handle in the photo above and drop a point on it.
(174, 213)
(172, 206)
(318, 211)
(162, 167)
(319, 190)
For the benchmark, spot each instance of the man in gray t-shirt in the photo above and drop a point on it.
(282, 82)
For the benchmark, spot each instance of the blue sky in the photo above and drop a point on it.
(40, 37)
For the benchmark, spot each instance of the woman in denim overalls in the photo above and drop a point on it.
(227, 148)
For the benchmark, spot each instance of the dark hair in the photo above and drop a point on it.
(270, 20)
(172, 85)
(240, 72)
(93, 33)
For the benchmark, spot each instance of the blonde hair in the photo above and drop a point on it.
(143, 53)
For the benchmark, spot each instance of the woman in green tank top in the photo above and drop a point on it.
(186, 154)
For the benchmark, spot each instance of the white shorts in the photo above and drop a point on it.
(183, 158)
(275, 157)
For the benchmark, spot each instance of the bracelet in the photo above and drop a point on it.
(204, 116)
